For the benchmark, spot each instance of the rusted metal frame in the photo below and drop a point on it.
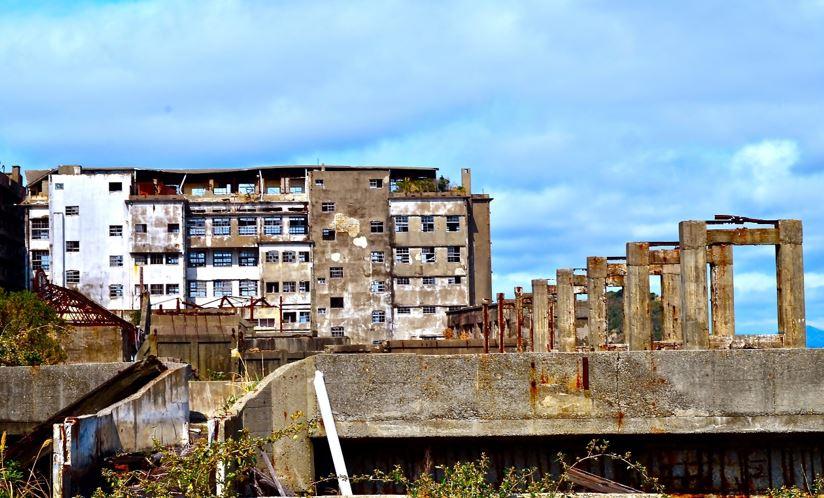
(486, 325)
(519, 317)
(500, 311)
(731, 219)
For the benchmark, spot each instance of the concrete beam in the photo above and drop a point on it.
(637, 318)
(743, 236)
(789, 265)
(596, 294)
(565, 308)
(671, 302)
(721, 298)
(540, 316)
(694, 316)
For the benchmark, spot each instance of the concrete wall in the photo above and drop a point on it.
(33, 394)
(97, 344)
(158, 412)
(209, 397)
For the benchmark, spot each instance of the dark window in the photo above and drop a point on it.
(222, 288)
(248, 258)
(248, 287)
(173, 228)
(172, 289)
(222, 258)
(72, 210)
(376, 183)
(115, 291)
(428, 254)
(289, 286)
(156, 289)
(336, 302)
(404, 310)
(428, 280)
(40, 229)
(115, 260)
(172, 259)
(453, 254)
(453, 223)
(272, 287)
(427, 223)
(140, 228)
(318, 182)
(115, 186)
(402, 255)
(221, 226)
(328, 234)
(197, 226)
(197, 288)
(288, 256)
(115, 231)
(401, 223)
(303, 286)
(272, 256)
(197, 259)
(140, 259)
(247, 226)
(428, 310)
(72, 246)
(337, 331)
(377, 256)
(297, 225)
(402, 280)
(273, 226)
(378, 316)
(453, 280)
(376, 226)
(72, 276)
(58, 186)
(156, 258)
(40, 260)
(327, 207)
(336, 272)
(303, 257)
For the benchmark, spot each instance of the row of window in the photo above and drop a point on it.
(286, 287)
(373, 182)
(246, 288)
(248, 225)
(296, 186)
(288, 317)
(453, 223)
(428, 255)
(247, 257)
(113, 186)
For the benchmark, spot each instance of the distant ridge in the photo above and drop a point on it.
(815, 337)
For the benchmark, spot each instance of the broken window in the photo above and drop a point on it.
(197, 259)
(303, 286)
(327, 207)
(296, 185)
(428, 280)
(198, 191)
(401, 223)
(378, 316)
(336, 302)
(336, 272)
(453, 254)
(272, 287)
(378, 286)
(173, 228)
(156, 289)
(428, 310)
(288, 256)
(222, 258)
(453, 280)
(139, 259)
(404, 310)
(318, 182)
(272, 256)
(115, 291)
(289, 317)
(248, 287)
(322, 311)
(115, 260)
(40, 229)
(273, 226)
(303, 257)
(197, 288)
(221, 226)
(157, 258)
(375, 183)
(140, 228)
(303, 317)
(402, 280)
(172, 289)
(337, 331)
(453, 223)
(248, 258)
(454, 308)
(172, 259)
(377, 256)
(72, 246)
(321, 280)
(196, 226)
(58, 186)
(428, 254)
(272, 190)
(222, 288)
(40, 260)
(376, 226)
(328, 234)
(72, 276)
(402, 255)
(266, 322)
(297, 225)
(247, 226)
(246, 188)
(72, 210)
(289, 286)
(115, 230)
(427, 223)
(226, 190)
(115, 186)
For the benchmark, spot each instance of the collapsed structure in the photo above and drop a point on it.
(697, 312)
(371, 253)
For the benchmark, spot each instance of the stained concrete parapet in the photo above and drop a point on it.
(33, 394)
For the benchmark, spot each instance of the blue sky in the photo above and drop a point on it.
(592, 123)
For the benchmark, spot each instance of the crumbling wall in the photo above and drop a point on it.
(93, 344)
(33, 394)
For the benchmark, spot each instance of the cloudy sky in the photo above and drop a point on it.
(591, 123)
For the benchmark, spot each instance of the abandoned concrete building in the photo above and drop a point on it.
(12, 246)
(371, 253)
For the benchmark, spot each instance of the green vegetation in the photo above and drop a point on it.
(15, 481)
(815, 488)
(615, 315)
(30, 331)
(416, 185)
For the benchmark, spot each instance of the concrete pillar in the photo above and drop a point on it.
(694, 320)
(466, 180)
(596, 294)
(721, 285)
(789, 265)
(565, 310)
(540, 315)
(671, 302)
(637, 318)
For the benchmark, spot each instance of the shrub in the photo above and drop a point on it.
(30, 331)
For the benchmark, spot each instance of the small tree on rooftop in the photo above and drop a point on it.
(30, 331)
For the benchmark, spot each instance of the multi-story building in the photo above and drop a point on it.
(12, 247)
(367, 252)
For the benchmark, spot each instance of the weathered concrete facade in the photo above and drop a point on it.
(272, 238)
(12, 242)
